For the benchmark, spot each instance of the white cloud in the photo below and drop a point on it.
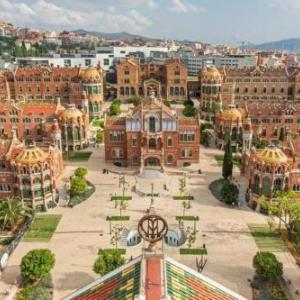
(286, 4)
(183, 6)
(43, 13)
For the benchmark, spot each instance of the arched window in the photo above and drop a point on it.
(266, 187)
(170, 159)
(182, 91)
(127, 91)
(171, 91)
(132, 91)
(69, 133)
(277, 185)
(122, 91)
(255, 187)
(152, 124)
(152, 143)
(176, 91)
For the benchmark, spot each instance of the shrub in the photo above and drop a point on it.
(107, 262)
(167, 103)
(229, 192)
(267, 265)
(188, 102)
(115, 108)
(135, 101)
(99, 136)
(78, 186)
(81, 172)
(37, 264)
(189, 111)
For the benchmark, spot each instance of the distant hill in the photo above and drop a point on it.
(291, 45)
(112, 36)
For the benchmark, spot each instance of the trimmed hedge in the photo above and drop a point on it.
(117, 218)
(183, 197)
(194, 251)
(121, 251)
(187, 218)
(125, 198)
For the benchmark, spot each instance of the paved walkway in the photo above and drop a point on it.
(83, 230)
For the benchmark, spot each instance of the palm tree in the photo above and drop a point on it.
(11, 211)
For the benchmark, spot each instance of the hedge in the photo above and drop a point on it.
(117, 218)
(187, 218)
(122, 251)
(195, 251)
(125, 198)
(183, 197)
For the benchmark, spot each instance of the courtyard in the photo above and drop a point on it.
(83, 230)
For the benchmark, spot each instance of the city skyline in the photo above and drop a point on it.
(216, 21)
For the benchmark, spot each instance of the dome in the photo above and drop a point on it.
(211, 74)
(71, 112)
(30, 155)
(90, 74)
(230, 114)
(272, 155)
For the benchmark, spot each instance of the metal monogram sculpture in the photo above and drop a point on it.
(152, 228)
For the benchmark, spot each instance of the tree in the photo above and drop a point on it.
(78, 186)
(189, 111)
(282, 134)
(167, 103)
(182, 185)
(115, 108)
(267, 265)
(99, 136)
(186, 205)
(37, 264)
(229, 192)
(81, 172)
(122, 206)
(285, 208)
(11, 211)
(107, 262)
(228, 160)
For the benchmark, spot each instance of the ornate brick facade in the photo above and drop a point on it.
(168, 80)
(152, 135)
(81, 87)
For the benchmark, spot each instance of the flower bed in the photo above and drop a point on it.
(121, 251)
(77, 199)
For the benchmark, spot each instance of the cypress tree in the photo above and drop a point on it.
(228, 160)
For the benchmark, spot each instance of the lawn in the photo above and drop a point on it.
(42, 228)
(236, 160)
(265, 239)
(79, 156)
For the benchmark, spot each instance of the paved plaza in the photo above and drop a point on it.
(83, 229)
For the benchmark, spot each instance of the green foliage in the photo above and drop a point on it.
(81, 172)
(99, 136)
(11, 211)
(115, 108)
(37, 264)
(78, 186)
(258, 143)
(228, 161)
(183, 197)
(135, 101)
(124, 198)
(188, 102)
(107, 262)
(79, 156)
(167, 103)
(187, 218)
(42, 228)
(98, 123)
(267, 265)
(78, 198)
(205, 138)
(189, 111)
(282, 134)
(195, 251)
(121, 251)
(117, 218)
(229, 192)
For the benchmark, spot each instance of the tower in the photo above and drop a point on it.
(56, 134)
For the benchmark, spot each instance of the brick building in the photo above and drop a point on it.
(81, 87)
(44, 122)
(272, 169)
(152, 135)
(168, 80)
(30, 173)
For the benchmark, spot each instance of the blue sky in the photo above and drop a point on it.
(213, 21)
